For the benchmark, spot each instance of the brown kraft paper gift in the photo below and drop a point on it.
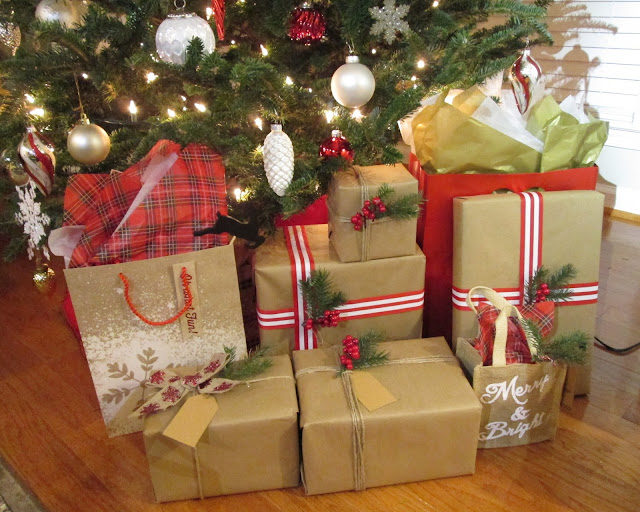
(385, 295)
(488, 249)
(383, 238)
(429, 432)
(520, 402)
(251, 444)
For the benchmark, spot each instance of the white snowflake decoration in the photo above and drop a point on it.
(388, 20)
(33, 220)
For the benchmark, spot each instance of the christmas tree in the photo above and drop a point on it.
(273, 62)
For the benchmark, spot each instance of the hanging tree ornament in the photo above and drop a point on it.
(525, 74)
(336, 145)
(176, 32)
(218, 7)
(10, 37)
(388, 20)
(14, 170)
(88, 143)
(307, 25)
(278, 159)
(37, 156)
(353, 84)
(66, 12)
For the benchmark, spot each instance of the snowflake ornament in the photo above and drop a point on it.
(33, 220)
(388, 20)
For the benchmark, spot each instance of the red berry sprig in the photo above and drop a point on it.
(350, 352)
(330, 319)
(542, 292)
(371, 210)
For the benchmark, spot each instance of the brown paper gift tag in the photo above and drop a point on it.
(370, 392)
(192, 419)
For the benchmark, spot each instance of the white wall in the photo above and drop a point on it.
(596, 52)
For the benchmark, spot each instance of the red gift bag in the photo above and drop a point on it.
(435, 228)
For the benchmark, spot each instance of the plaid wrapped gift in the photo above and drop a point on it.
(517, 349)
(151, 209)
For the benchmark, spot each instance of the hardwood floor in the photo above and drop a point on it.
(52, 434)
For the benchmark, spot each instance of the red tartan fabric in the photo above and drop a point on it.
(517, 350)
(187, 198)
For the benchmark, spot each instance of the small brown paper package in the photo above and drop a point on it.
(520, 402)
(499, 239)
(122, 350)
(251, 444)
(382, 238)
(429, 431)
(386, 295)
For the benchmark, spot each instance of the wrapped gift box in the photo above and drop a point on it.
(385, 295)
(251, 444)
(498, 236)
(430, 431)
(382, 238)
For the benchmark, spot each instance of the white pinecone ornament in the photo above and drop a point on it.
(278, 159)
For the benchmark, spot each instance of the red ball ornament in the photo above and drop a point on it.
(336, 145)
(307, 25)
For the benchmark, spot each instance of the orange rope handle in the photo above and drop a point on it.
(187, 305)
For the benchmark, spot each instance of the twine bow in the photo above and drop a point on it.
(173, 387)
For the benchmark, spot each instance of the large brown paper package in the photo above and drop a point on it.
(122, 350)
(429, 432)
(385, 295)
(383, 238)
(487, 252)
(251, 444)
(520, 402)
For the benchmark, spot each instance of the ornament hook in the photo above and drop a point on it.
(180, 4)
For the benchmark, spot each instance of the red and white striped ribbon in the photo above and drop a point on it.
(302, 264)
(531, 216)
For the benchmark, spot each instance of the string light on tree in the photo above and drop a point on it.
(151, 77)
(171, 113)
(200, 107)
(258, 122)
(133, 110)
(421, 64)
(263, 50)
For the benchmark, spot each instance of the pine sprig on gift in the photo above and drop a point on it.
(247, 368)
(318, 294)
(556, 283)
(566, 349)
(405, 207)
(363, 352)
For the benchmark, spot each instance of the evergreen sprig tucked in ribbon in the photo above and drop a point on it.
(381, 206)
(553, 287)
(321, 302)
(173, 388)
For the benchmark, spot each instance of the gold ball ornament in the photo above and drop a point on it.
(14, 170)
(88, 143)
(44, 278)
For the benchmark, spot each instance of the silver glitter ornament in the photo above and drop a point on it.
(176, 32)
(10, 38)
(353, 84)
(278, 157)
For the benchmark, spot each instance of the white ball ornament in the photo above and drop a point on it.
(67, 12)
(88, 143)
(278, 157)
(176, 32)
(353, 84)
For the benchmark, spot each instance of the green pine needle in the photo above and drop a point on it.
(568, 349)
(318, 294)
(246, 368)
(370, 354)
(557, 283)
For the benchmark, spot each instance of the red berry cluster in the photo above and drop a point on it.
(350, 352)
(330, 319)
(543, 291)
(370, 211)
